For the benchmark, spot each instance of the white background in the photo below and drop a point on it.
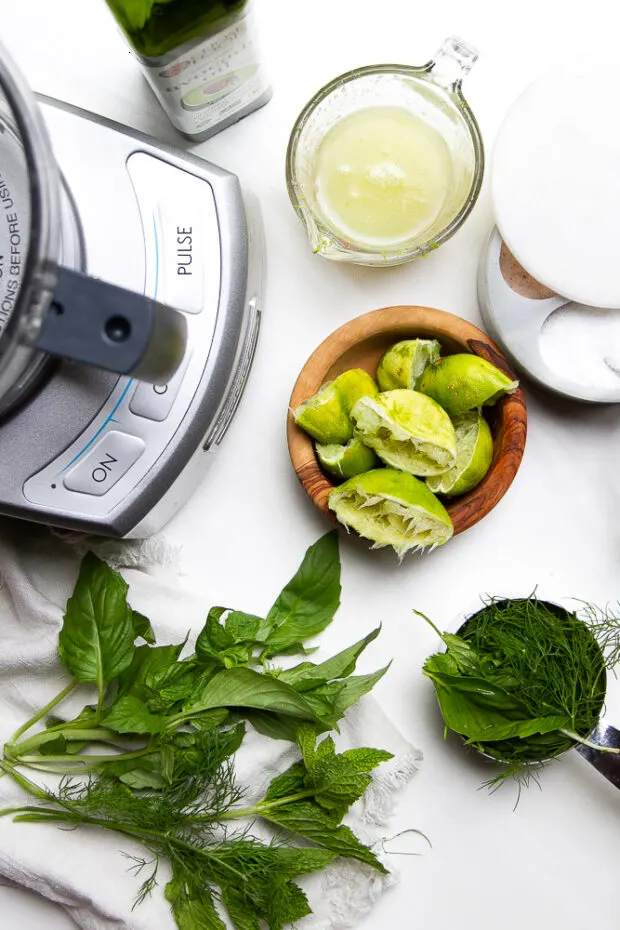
(552, 862)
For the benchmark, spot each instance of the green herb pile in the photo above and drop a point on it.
(525, 680)
(158, 745)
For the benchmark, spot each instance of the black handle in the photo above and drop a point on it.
(109, 327)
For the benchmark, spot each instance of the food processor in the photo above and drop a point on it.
(130, 304)
(548, 282)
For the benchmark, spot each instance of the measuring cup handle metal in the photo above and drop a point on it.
(608, 764)
(100, 324)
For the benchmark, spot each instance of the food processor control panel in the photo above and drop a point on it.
(175, 227)
(179, 221)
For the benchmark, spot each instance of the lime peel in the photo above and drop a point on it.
(392, 508)
(403, 363)
(346, 461)
(464, 382)
(474, 453)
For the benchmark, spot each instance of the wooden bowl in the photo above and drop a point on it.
(360, 344)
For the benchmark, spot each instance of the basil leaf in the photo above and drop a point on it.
(481, 710)
(464, 655)
(340, 695)
(149, 664)
(96, 642)
(138, 773)
(229, 644)
(213, 637)
(307, 675)
(276, 726)
(309, 601)
(130, 715)
(243, 628)
(242, 687)
(317, 825)
(142, 627)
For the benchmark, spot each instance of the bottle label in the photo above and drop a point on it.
(212, 81)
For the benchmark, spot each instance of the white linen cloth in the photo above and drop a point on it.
(84, 870)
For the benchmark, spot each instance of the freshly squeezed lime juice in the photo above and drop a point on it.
(382, 176)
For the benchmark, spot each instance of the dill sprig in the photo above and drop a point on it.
(188, 823)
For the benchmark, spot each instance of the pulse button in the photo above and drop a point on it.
(105, 464)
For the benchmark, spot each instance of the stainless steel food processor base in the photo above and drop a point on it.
(516, 322)
(93, 452)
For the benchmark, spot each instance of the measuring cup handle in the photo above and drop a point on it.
(453, 61)
(109, 327)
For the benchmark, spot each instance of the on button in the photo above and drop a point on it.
(105, 464)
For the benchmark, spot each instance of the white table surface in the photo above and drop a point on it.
(250, 523)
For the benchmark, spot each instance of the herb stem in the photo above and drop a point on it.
(138, 833)
(85, 757)
(586, 742)
(22, 781)
(264, 806)
(45, 710)
(65, 730)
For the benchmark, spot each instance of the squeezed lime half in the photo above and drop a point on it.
(404, 362)
(345, 461)
(353, 384)
(323, 416)
(463, 382)
(474, 453)
(407, 430)
(392, 508)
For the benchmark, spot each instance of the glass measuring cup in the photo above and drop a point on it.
(432, 93)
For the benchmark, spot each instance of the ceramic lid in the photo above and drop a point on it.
(555, 181)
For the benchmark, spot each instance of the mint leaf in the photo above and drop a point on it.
(238, 912)
(243, 687)
(130, 715)
(292, 781)
(307, 675)
(142, 627)
(365, 760)
(286, 906)
(291, 862)
(309, 601)
(317, 825)
(306, 740)
(336, 781)
(191, 912)
(96, 642)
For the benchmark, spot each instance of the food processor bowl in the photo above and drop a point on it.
(49, 307)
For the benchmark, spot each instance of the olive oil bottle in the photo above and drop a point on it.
(200, 57)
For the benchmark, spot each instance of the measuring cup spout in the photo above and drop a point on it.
(452, 62)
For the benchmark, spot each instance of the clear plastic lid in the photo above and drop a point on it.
(46, 303)
(29, 239)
